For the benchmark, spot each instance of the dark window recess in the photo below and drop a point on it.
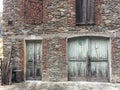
(85, 12)
(10, 22)
(33, 11)
(17, 76)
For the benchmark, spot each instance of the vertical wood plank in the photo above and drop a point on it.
(79, 11)
(84, 11)
(25, 60)
(77, 52)
(37, 60)
(92, 18)
(99, 58)
(90, 12)
(30, 59)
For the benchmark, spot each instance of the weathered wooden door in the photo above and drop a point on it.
(98, 60)
(33, 60)
(77, 56)
(88, 59)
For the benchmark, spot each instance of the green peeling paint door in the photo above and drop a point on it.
(77, 57)
(88, 59)
(33, 60)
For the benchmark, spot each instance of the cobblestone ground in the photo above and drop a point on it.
(36, 85)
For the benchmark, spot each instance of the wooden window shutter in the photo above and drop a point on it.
(78, 11)
(84, 12)
(33, 11)
(90, 12)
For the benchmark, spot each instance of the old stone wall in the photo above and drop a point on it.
(58, 25)
(115, 60)
(54, 59)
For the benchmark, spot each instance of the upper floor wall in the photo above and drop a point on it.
(57, 16)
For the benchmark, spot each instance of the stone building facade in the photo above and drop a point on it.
(53, 23)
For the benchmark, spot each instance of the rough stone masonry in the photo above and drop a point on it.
(54, 27)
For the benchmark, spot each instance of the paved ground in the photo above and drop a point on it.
(37, 85)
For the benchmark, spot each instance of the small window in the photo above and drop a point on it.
(33, 11)
(85, 12)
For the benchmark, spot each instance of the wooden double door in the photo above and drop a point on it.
(88, 58)
(33, 60)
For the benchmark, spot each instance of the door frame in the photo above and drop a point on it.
(109, 52)
(25, 67)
